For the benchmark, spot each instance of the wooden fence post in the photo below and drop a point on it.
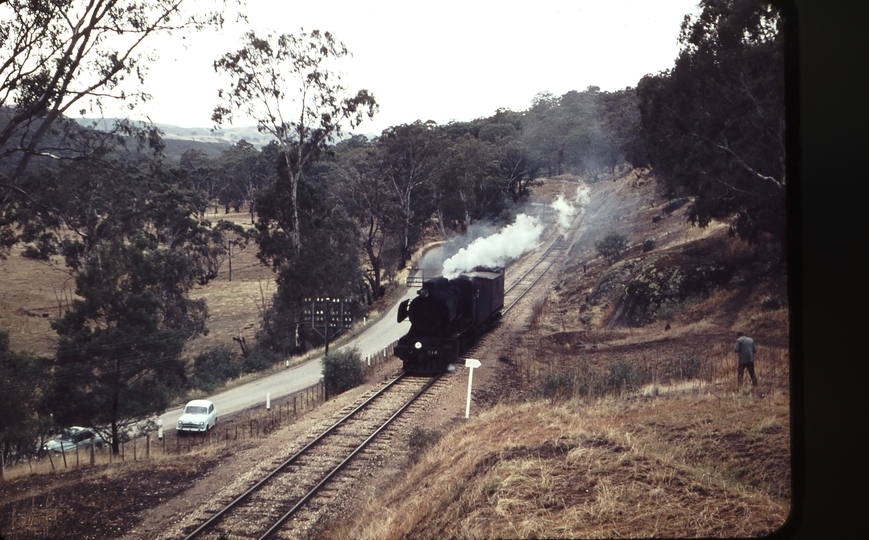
(148, 446)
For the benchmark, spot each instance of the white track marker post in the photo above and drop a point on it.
(269, 401)
(470, 363)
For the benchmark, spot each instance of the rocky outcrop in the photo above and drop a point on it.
(643, 290)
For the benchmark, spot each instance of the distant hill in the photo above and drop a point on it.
(197, 134)
(180, 139)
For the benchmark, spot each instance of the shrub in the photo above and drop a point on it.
(621, 377)
(342, 371)
(419, 439)
(612, 246)
(215, 366)
(259, 359)
(556, 386)
(648, 245)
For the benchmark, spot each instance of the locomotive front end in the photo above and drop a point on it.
(426, 355)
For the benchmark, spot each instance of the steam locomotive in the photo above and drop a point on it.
(446, 316)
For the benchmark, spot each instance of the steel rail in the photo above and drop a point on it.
(216, 517)
(341, 465)
(534, 267)
(538, 278)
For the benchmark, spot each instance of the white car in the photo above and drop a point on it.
(199, 416)
(72, 438)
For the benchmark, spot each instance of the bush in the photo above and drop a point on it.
(556, 386)
(215, 366)
(419, 439)
(342, 371)
(621, 377)
(260, 359)
(612, 246)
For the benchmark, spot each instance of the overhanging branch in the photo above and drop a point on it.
(726, 148)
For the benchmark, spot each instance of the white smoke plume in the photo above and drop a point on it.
(582, 197)
(497, 249)
(564, 210)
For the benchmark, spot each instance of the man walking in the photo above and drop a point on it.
(745, 348)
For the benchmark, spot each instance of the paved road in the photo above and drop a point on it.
(374, 339)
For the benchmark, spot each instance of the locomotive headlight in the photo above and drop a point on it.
(423, 293)
(417, 345)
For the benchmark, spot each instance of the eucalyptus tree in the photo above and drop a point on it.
(517, 168)
(22, 378)
(410, 161)
(242, 173)
(284, 83)
(60, 57)
(134, 241)
(363, 189)
(468, 186)
(328, 264)
(715, 122)
(543, 132)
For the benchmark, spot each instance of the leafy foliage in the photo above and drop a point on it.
(61, 58)
(715, 122)
(283, 83)
(119, 349)
(21, 379)
(134, 244)
(342, 371)
(611, 246)
(584, 132)
(214, 367)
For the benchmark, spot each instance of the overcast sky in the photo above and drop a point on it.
(442, 61)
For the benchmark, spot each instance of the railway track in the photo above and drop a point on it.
(524, 283)
(275, 506)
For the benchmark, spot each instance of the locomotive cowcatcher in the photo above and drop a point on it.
(446, 316)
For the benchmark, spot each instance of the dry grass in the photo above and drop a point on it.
(34, 293)
(611, 468)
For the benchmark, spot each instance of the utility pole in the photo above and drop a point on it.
(324, 307)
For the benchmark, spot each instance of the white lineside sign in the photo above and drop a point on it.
(470, 363)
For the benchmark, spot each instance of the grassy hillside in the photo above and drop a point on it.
(625, 419)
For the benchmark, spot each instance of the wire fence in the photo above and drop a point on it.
(254, 424)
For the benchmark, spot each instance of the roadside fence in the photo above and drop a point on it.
(370, 363)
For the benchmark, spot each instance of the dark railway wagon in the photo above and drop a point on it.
(446, 316)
